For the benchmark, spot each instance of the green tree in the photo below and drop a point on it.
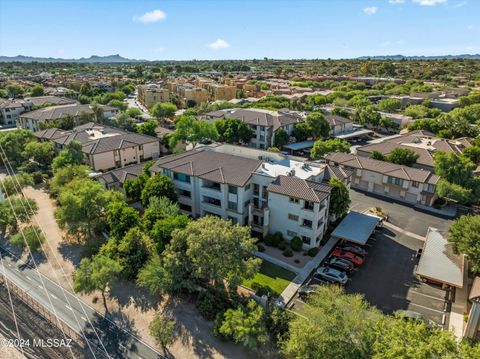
(245, 325)
(120, 218)
(133, 252)
(158, 186)
(36, 91)
(163, 110)
(162, 330)
(118, 104)
(133, 187)
(332, 325)
(402, 156)
(65, 175)
(377, 155)
(14, 90)
(13, 143)
(12, 185)
(31, 237)
(8, 222)
(189, 129)
(464, 234)
(158, 208)
(339, 198)
(301, 132)
(94, 274)
(154, 277)
(453, 168)
(318, 125)
(233, 131)
(281, 138)
(72, 155)
(472, 153)
(454, 192)
(220, 250)
(162, 230)
(320, 148)
(148, 128)
(389, 105)
(412, 339)
(133, 112)
(82, 207)
(40, 152)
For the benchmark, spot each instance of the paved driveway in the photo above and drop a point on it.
(387, 278)
(401, 215)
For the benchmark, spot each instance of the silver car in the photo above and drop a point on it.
(332, 275)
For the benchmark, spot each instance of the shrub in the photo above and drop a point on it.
(288, 253)
(261, 248)
(312, 252)
(213, 301)
(37, 177)
(277, 237)
(282, 245)
(297, 260)
(296, 244)
(262, 290)
(269, 240)
(217, 323)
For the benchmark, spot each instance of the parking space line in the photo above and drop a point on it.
(427, 308)
(428, 296)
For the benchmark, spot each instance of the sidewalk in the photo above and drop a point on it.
(400, 230)
(450, 211)
(304, 272)
(456, 324)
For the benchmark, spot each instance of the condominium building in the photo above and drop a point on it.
(150, 94)
(222, 92)
(105, 147)
(264, 123)
(268, 191)
(402, 183)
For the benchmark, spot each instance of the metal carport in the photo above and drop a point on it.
(438, 262)
(356, 227)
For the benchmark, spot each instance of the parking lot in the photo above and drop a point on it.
(387, 280)
(400, 214)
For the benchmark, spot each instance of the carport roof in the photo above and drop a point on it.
(356, 227)
(438, 261)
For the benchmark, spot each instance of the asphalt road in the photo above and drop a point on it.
(82, 318)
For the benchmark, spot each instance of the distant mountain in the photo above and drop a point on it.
(402, 57)
(92, 59)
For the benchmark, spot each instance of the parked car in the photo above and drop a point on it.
(332, 275)
(341, 264)
(306, 290)
(354, 249)
(349, 256)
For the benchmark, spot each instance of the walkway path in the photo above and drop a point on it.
(400, 230)
(304, 273)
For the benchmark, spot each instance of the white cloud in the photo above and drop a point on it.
(370, 10)
(219, 44)
(429, 2)
(395, 2)
(470, 27)
(151, 16)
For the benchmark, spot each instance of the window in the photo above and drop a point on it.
(181, 177)
(232, 205)
(415, 184)
(320, 222)
(247, 202)
(247, 187)
(309, 205)
(305, 240)
(396, 181)
(431, 188)
(185, 207)
(307, 223)
(232, 189)
(167, 173)
(292, 217)
(185, 193)
(292, 233)
(256, 189)
(294, 200)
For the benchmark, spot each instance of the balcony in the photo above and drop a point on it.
(212, 201)
(214, 186)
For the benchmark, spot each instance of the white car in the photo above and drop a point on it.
(331, 275)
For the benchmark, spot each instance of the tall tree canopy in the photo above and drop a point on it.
(320, 148)
(158, 186)
(464, 234)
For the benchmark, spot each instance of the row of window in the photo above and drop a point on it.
(399, 182)
(305, 222)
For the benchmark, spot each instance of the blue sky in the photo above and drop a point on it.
(231, 29)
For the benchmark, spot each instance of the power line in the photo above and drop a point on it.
(4, 157)
(33, 259)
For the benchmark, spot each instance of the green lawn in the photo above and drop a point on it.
(273, 276)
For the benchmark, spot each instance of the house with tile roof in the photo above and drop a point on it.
(423, 143)
(264, 123)
(105, 147)
(268, 191)
(402, 183)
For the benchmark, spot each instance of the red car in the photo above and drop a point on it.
(349, 256)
